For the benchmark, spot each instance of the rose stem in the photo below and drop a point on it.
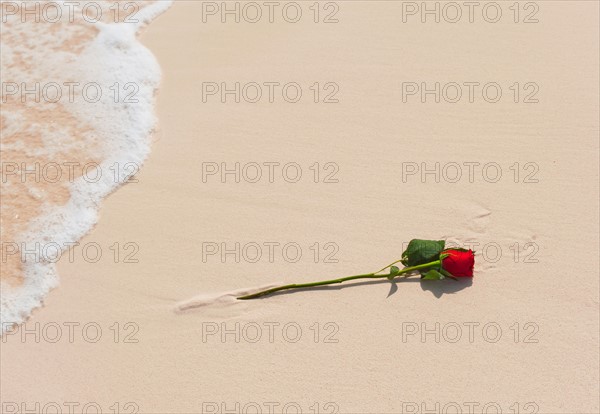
(340, 280)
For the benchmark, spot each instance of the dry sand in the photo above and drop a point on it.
(352, 349)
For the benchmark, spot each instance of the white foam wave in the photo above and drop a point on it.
(114, 133)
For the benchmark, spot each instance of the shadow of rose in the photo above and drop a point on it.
(437, 287)
(446, 286)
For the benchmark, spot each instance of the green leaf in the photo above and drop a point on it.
(394, 271)
(433, 275)
(447, 274)
(422, 251)
(460, 249)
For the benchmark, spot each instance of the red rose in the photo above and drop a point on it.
(459, 263)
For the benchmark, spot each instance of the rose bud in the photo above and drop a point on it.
(458, 262)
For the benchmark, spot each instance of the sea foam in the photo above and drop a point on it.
(80, 128)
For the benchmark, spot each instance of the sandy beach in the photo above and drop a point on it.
(318, 145)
